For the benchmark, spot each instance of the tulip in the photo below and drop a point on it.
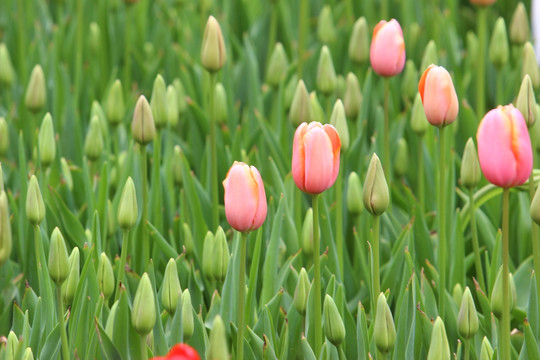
(315, 162)
(519, 25)
(213, 52)
(358, 44)
(504, 147)
(438, 96)
(180, 352)
(387, 52)
(482, 2)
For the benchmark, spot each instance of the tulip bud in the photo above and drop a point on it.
(47, 144)
(472, 49)
(111, 219)
(497, 294)
(12, 346)
(93, 144)
(354, 194)
(300, 107)
(457, 293)
(307, 233)
(158, 102)
(419, 123)
(339, 121)
(58, 258)
(35, 208)
(486, 351)
(188, 324)
(28, 355)
(353, 97)
(109, 326)
(97, 110)
(220, 259)
(519, 25)
(94, 38)
(385, 330)
(172, 106)
(4, 136)
(143, 313)
(1, 178)
(530, 66)
(535, 130)
(526, 101)
(326, 31)
(277, 66)
(498, 46)
(36, 94)
(115, 108)
(171, 287)
(213, 52)
(467, 317)
(66, 173)
(217, 345)
(375, 193)
(188, 239)
(470, 167)
(333, 323)
(70, 285)
(326, 75)
(290, 91)
(6, 67)
(105, 276)
(535, 206)
(127, 208)
(177, 165)
(181, 93)
(387, 51)
(316, 112)
(301, 293)
(220, 104)
(208, 256)
(401, 162)
(439, 348)
(142, 126)
(430, 55)
(5, 229)
(438, 96)
(359, 42)
(409, 84)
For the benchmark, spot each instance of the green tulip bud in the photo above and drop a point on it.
(111, 219)
(5, 229)
(439, 348)
(301, 293)
(36, 94)
(171, 287)
(213, 52)
(188, 324)
(115, 107)
(217, 344)
(109, 326)
(181, 93)
(277, 66)
(28, 355)
(220, 259)
(12, 346)
(467, 317)
(535, 130)
(353, 97)
(158, 102)
(58, 258)
(177, 165)
(4, 136)
(530, 66)
(359, 42)
(419, 123)
(97, 110)
(535, 206)
(333, 323)
(472, 49)
(143, 313)
(470, 167)
(339, 121)
(35, 208)
(290, 92)
(430, 56)
(94, 38)
(93, 144)
(127, 208)
(526, 101)
(70, 285)
(1, 178)
(142, 126)
(105, 276)
(401, 162)
(326, 75)
(300, 107)
(316, 112)
(6, 67)
(409, 85)
(519, 25)
(498, 46)
(486, 351)
(307, 233)
(385, 330)
(220, 104)
(208, 256)
(66, 173)
(375, 194)
(457, 293)
(188, 239)
(172, 106)
(497, 294)
(88, 234)
(354, 194)
(46, 141)
(326, 31)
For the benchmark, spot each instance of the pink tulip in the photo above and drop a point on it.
(504, 147)
(315, 161)
(387, 52)
(245, 199)
(180, 352)
(438, 96)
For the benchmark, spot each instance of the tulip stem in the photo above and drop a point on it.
(476, 248)
(122, 265)
(534, 238)
(481, 79)
(317, 276)
(63, 334)
(302, 34)
(144, 352)
(376, 282)
(37, 242)
(241, 298)
(421, 192)
(127, 50)
(386, 136)
(144, 217)
(272, 32)
(442, 223)
(466, 343)
(505, 319)
(339, 221)
(213, 154)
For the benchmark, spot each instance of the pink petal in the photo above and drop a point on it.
(319, 161)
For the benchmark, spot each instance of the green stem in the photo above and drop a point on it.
(241, 297)
(37, 243)
(63, 334)
(213, 154)
(157, 209)
(122, 265)
(476, 248)
(317, 277)
(386, 164)
(376, 275)
(22, 42)
(272, 32)
(350, 12)
(481, 71)
(144, 352)
(127, 50)
(421, 186)
(384, 9)
(534, 239)
(442, 223)
(505, 319)
(466, 348)
(302, 34)
(144, 217)
(78, 53)
(498, 91)
(339, 220)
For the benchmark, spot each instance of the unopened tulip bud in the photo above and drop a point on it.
(4, 136)
(208, 256)
(12, 346)
(171, 287)
(217, 344)
(307, 233)
(172, 106)
(143, 313)
(177, 165)
(290, 91)
(497, 294)
(277, 66)
(94, 37)
(213, 52)
(354, 194)
(419, 123)
(387, 51)
(498, 46)
(359, 42)
(66, 173)
(486, 351)
(105, 276)
(127, 208)
(375, 193)
(28, 355)
(535, 130)
(385, 330)
(470, 166)
(36, 94)
(109, 326)
(35, 208)
(5, 229)
(6, 67)
(97, 110)
(300, 107)
(93, 144)
(353, 97)
(188, 325)
(188, 239)
(535, 206)
(467, 317)
(316, 112)
(457, 293)
(333, 323)
(439, 348)
(339, 121)
(70, 285)
(58, 258)
(526, 101)
(182, 104)
(220, 104)
(409, 85)
(326, 75)
(142, 126)
(115, 108)
(401, 162)
(158, 102)
(47, 143)
(326, 31)
(430, 55)
(519, 25)
(530, 66)
(472, 49)
(220, 260)
(301, 293)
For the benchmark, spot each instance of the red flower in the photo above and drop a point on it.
(180, 352)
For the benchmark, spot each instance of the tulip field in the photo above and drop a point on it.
(283, 179)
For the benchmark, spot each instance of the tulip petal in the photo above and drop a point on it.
(319, 161)
(298, 158)
(260, 214)
(521, 145)
(333, 135)
(387, 52)
(241, 197)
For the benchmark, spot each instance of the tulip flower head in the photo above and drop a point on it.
(482, 2)
(245, 198)
(315, 161)
(180, 352)
(504, 147)
(438, 96)
(387, 52)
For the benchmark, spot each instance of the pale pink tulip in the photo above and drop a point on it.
(387, 52)
(438, 96)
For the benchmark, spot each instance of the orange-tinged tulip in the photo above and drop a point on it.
(315, 161)
(504, 147)
(245, 198)
(438, 96)
(482, 2)
(180, 352)
(387, 52)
